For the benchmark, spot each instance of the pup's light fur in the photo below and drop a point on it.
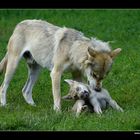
(85, 96)
(57, 49)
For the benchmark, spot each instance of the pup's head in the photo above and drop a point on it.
(77, 90)
(100, 63)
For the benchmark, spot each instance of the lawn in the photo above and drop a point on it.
(123, 82)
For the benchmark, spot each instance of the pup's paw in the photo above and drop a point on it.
(98, 110)
(66, 97)
(120, 109)
(84, 107)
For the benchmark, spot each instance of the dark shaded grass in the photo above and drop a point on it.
(121, 26)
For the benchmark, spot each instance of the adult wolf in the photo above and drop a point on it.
(45, 45)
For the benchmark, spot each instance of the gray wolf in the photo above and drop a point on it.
(85, 96)
(58, 49)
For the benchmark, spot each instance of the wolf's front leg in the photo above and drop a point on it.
(56, 80)
(96, 105)
(78, 107)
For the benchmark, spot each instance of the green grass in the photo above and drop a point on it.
(123, 82)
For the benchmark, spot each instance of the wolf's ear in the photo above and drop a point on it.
(115, 52)
(69, 81)
(67, 97)
(91, 52)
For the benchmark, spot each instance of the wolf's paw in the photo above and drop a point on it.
(120, 109)
(98, 110)
(3, 104)
(28, 98)
(57, 109)
(84, 107)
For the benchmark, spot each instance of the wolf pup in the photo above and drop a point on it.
(85, 96)
(58, 49)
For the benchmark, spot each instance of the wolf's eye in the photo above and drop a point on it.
(77, 89)
(94, 75)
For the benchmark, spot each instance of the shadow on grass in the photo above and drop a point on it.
(15, 127)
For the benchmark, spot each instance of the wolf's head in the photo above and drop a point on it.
(100, 60)
(77, 90)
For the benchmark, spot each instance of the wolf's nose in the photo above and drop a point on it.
(86, 93)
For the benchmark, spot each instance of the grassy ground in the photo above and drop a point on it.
(123, 82)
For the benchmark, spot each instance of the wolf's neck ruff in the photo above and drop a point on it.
(100, 46)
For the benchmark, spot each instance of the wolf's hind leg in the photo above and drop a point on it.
(12, 64)
(114, 105)
(33, 72)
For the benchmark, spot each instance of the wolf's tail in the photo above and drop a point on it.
(3, 63)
